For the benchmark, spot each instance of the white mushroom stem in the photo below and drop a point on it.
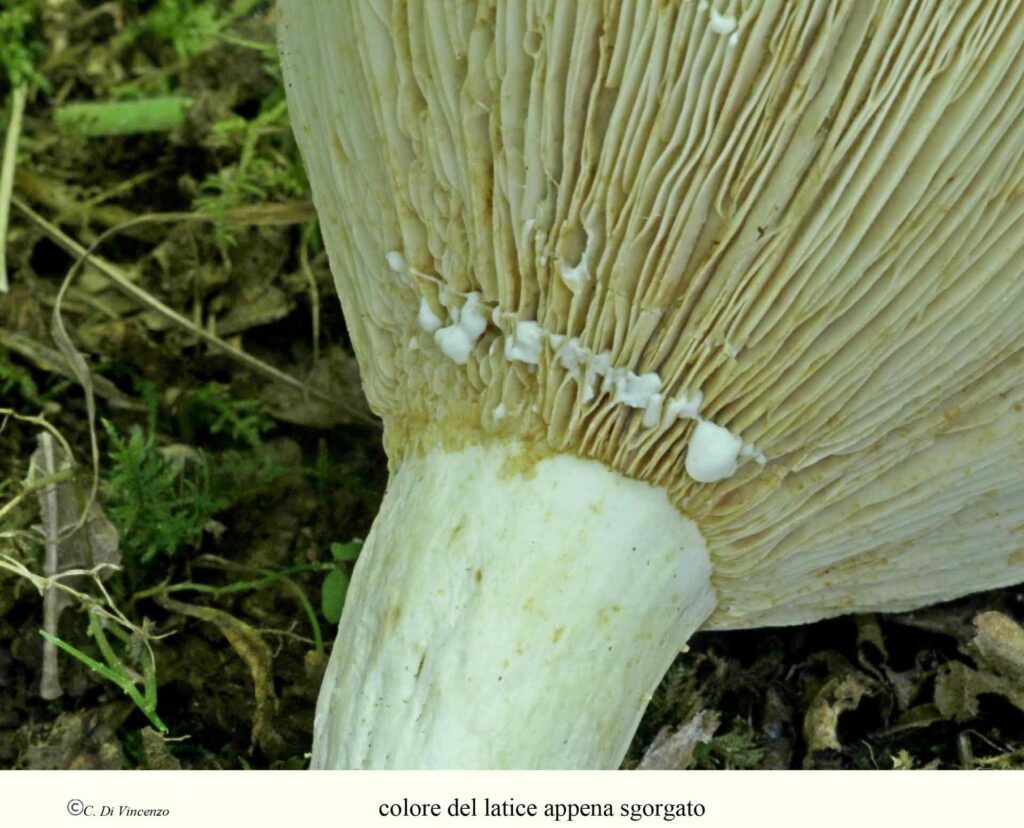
(509, 612)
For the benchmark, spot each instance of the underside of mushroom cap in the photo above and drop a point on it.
(794, 228)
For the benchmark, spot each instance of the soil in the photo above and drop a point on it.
(221, 609)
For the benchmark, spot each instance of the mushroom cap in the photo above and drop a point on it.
(776, 244)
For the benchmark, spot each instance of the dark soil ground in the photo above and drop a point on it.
(236, 466)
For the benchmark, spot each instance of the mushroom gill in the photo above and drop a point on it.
(764, 257)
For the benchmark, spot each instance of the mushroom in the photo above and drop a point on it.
(678, 316)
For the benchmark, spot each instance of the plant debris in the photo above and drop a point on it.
(77, 536)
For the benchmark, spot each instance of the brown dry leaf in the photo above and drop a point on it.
(154, 749)
(838, 695)
(777, 726)
(957, 688)
(1000, 643)
(673, 749)
(79, 740)
(292, 212)
(64, 202)
(923, 715)
(76, 362)
(254, 651)
(270, 304)
(336, 375)
(905, 685)
(997, 647)
(953, 620)
(871, 649)
(49, 359)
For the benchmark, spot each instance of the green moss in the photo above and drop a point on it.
(20, 45)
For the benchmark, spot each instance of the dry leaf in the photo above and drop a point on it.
(1000, 643)
(957, 688)
(837, 696)
(673, 750)
(154, 749)
(342, 402)
(271, 304)
(49, 359)
(253, 650)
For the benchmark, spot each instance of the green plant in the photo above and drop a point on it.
(189, 26)
(335, 584)
(260, 162)
(267, 578)
(96, 119)
(159, 506)
(15, 380)
(20, 48)
(268, 167)
(736, 749)
(116, 670)
(244, 469)
(213, 408)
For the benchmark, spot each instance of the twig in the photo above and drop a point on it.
(62, 201)
(16, 567)
(128, 287)
(235, 586)
(52, 360)
(41, 422)
(269, 577)
(38, 421)
(7, 166)
(307, 607)
(105, 608)
(49, 685)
